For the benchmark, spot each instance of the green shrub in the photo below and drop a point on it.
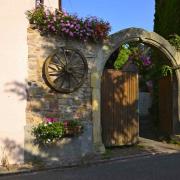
(48, 132)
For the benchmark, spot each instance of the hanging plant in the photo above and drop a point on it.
(175, 41)
(67, 25)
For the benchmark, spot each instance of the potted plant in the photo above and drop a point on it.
(49, 131)
(72, 127)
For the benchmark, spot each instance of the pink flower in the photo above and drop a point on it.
(71, 26)
(66, 123)
(53, 28)
(78, 26)
(63, 29)
(51, 120)
(62, 24)
(71, 34)
(66, 14)
(54, 18)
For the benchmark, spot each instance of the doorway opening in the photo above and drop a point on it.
(133, 106)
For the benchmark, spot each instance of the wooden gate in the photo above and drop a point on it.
(166, 105)
(119, 108)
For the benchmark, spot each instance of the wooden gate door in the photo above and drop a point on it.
(119, 108)
(165, 105)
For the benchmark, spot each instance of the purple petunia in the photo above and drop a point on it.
(71, 34)
(146, 60)
(71, 25)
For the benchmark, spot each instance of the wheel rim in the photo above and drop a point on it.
(65, 70)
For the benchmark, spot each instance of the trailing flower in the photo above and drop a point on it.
(140, 59)
(67, 25)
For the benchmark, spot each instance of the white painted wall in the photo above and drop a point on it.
(13, 72)
(51, 3)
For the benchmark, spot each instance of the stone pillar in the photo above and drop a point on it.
(96, 112)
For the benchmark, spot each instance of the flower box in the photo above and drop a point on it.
(52, 130)
(72, 131)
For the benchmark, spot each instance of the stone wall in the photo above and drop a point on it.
(43, 102)
(85, 103)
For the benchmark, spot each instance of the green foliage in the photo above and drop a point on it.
(53, 130)
(122, 57)
(48, 132)
(175, 41)
(36, 17)
(73, 123)
(166, 70)
(167, 21)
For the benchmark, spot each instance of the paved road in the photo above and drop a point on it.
(165, 167)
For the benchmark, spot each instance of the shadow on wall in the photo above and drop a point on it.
(65, 151)
(42, 103)
(17, 88)
(11, 152)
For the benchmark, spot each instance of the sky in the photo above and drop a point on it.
(120, 14)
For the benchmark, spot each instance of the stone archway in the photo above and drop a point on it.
(114, 41)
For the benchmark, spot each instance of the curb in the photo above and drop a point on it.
(79, 164)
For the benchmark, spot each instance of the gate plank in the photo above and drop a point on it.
(165, 104)
(119, 117)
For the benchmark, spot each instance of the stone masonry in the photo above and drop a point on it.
(43, 102)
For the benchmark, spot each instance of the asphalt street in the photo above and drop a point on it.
(158, 167)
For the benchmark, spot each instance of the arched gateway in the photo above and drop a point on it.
(115, 41)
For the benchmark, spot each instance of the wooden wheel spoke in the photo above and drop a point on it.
(62, 83)
(57, 65)
(54, 69)
(75, 62)
(70, 59)
(69, 77)
(56, 74)
(75, 78)
(76, 73)
(56, 80)
(65, 57)
(59, 60)
(78, 66)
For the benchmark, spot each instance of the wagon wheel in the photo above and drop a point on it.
(66, 70)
